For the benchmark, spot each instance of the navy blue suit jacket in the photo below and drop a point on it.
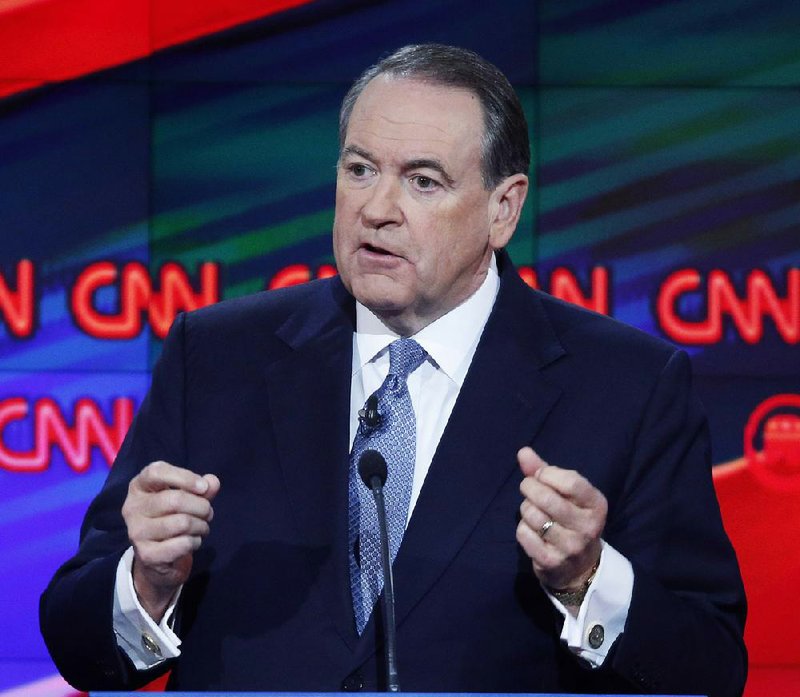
(256, 390)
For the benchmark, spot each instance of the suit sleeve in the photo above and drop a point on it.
(76, 609)
(686, 619)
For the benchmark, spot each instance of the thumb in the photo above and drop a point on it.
(529, 461)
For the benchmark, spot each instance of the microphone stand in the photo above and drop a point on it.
(393, 684)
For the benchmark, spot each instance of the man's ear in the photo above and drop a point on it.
(505, 207)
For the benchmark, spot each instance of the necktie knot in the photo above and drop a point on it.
(405, 356)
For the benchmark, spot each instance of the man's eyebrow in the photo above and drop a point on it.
(355, 150)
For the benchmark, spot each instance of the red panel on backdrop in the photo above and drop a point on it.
(50, 40)
(46, 40)
(759, 496)
(177, 21)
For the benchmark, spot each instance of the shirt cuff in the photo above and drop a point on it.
(602, 615)
(146, 643)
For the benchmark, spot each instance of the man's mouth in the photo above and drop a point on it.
(376, 250)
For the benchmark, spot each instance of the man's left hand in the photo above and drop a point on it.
(562, 519)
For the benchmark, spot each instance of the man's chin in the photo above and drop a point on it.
(380, 304)
(388, 307)
(381, 292)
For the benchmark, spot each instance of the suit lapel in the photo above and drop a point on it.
(503, 403)
(309, 394)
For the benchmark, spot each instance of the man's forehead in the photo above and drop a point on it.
(406, 85)
(403, 112)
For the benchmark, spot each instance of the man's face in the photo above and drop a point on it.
(412, 233)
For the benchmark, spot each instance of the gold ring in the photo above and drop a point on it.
(546, 528)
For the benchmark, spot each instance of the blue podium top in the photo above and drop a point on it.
(368, 694)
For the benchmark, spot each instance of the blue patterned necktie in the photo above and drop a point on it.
(394, 437)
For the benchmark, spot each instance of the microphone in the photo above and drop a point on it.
(372, 468)
(373, 471)
(370, 417)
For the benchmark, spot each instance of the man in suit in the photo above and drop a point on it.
(562, 530)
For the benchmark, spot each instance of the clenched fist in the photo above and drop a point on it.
(167, 512)
(562, 519)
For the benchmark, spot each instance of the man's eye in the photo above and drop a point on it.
(423, 182)
(358, 170)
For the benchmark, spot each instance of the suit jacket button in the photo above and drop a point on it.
(353, 683)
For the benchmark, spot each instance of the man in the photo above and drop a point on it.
(562, 531)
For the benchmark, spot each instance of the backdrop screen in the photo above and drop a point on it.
(159, 157)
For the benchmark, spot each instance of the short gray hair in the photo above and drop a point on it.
(505, 149)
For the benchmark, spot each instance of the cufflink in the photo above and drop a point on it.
(150, 645)
(596, 636)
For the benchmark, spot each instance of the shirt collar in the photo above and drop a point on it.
(450, 340)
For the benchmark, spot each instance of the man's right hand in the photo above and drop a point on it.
(167, 512)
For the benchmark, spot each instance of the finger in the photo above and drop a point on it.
(177, 525)
(568, 483)
(570, 542)
(172, 501)
(537, 520)
(142, 529)
(529, 461)
(571, 485)
(555, 538)
(161, 475)
(153, 505)
(574, 528)
(154, 554)
(543, 555)
(213, 486)
(549, 501)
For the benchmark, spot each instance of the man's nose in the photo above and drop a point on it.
(383, 205)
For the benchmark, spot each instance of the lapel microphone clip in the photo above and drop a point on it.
(369, 417)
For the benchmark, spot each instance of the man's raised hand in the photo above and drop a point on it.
(167, 512)
(562, 519)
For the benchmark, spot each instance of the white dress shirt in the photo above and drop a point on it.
(450, 342)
